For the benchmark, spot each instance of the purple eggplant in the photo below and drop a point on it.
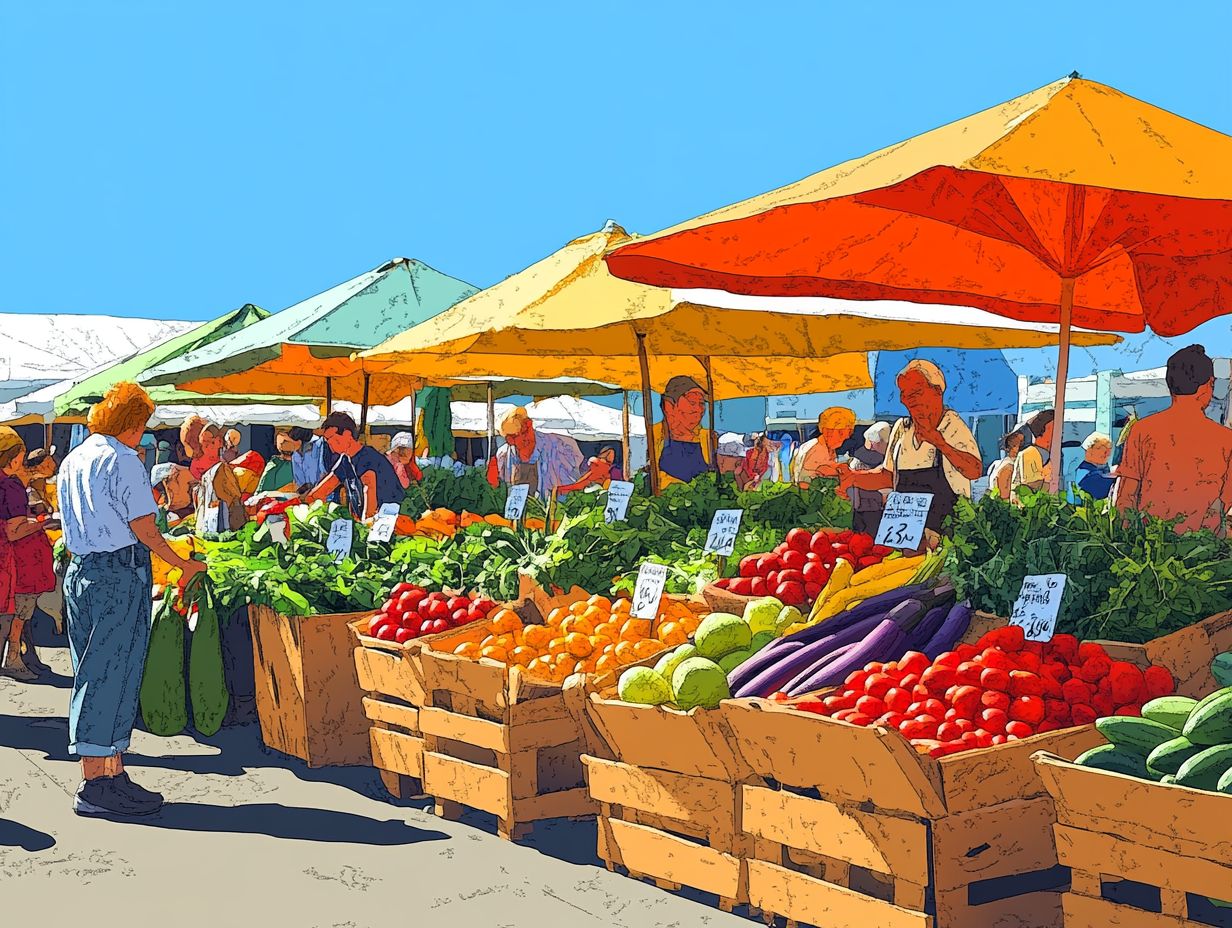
(873, 606)
(907, 614)
(766, 657)
(928, 626)
(771, 679)
(885, 642)
(793, 686)
(956, 622)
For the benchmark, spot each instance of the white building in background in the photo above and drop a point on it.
(1104, 401)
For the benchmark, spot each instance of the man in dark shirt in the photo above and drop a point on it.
(367, 476)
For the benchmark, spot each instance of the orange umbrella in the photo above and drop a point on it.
(1073, 204)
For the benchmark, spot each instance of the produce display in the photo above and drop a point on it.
(797, 570)
(411, 612)
(1176, 740)
(1128, 579)
(1002, 688)
(594, 635)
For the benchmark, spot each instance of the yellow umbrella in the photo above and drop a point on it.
(566, 316)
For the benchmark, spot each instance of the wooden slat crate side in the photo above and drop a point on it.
(696, 743)
(565, 803)
(447, 675)
(1107, 854)
(883, 843)
(1086, 912)
(1172, 818)
(705, 807)
(1009, 838)
(388, 713)
(483, 788)
(974, 780)
(799, 897)
(397, 752)
(1029, 910)
(647, 851)
(846, 763)
(389, 674)
(453, 726)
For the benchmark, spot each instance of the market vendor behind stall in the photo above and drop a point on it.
(365, 473)
(541, 460)
(930, 451)
(679, 443)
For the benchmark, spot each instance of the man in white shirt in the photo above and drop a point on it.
(932, 451)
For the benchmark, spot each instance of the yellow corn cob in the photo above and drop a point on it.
(857, 594)
(840, 579)
(886, 569)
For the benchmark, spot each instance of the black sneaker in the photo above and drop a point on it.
(138, 793)
(106, 796)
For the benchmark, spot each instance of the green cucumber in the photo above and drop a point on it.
(207, 682)
(1141, 736)
(1168, 757)
(1169, 710)
(1221, 668)
(1225, 782)
(1210, 722)
(1115, 760)
(1205, 769)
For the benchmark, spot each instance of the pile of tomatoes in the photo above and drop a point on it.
(411, 611)
(795, 572)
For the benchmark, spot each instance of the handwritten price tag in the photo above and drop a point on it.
(724, 528)
(651, 578)
(902, 522)
(278, 531)
(515, 503)
(619, 492)
(1038, 605)
(389, 509)
(211, 517)
(383, 527)
(341, 534)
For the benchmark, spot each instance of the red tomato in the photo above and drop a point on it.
(871, 706)
(950, 659)
(920, 692)
(386, 633)
(967, 701)
(794, 560)
(821, 544)
(891, 720)
(1082, 714)
(878, 684)
(869, 561)
(460, 617)
(425, 627)
(923, 727)
(938, 679)
(439, 610)
(748, 566)
(969, 673)
(437, 596)
(790, 593)
(812, 591)
(439, 625)
(767, 563)
(410, 600)
(994, 720)
(856, 679)
(1029, 709)
(838, 703)
(992, 699)
(814, 573)
(772, 579)
(759, 587)
(1025, 683)
(401, 588)
(948, 731)
(994, 678)
(403, 635)
(791, 576)
(1018, 729)
(994, 657)
(375, 623)
(861, 545)
(799, 539)
(742, 587)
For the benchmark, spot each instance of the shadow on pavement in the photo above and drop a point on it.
(290, 822)
(15, 834)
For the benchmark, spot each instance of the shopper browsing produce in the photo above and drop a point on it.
(867, 505)
(541, 460)
(110, 530)
(931, 451)
(1090, 475)
(1033, 467)
(1176, 462)
(401, 455)
(1000, 475)
(279, 473)
(365, 473)
(819, 457)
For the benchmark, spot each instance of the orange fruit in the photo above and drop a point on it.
(556, 646)
(672, 633)
(536, 636)
(594, 615)
(522, 656)
(467, 649)
(578, 645)
(605, 664)
(578, 608)
(506, 620)
(598, 643)
(626, 653)
(647, 647)
(506, 640)
(600, 602)
(496, 654)
(621, 607)
(556, 616)
(488, 642)
(537, 666)
(635, 629)
(586, 666)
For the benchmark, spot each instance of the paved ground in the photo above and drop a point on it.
(249, 838)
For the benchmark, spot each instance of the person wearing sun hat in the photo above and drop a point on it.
(680, 444)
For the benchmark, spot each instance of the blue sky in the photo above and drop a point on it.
(170, 161)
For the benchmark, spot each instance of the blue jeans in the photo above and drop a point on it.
(109, 611)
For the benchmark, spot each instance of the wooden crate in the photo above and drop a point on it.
(669, 795)
(1186, 653)
(309, 701)
(1142, 854)
(855, 828)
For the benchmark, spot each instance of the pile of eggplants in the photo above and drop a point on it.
(882, 628)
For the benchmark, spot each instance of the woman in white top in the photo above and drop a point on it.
(999, 483)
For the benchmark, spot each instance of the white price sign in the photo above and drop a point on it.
(383, 527)
(389, 509)
(278, 531)
(341, 533)
(1038, 605)
(902, 521)
(515, 503)
(724, 528)
(619, 492)
(651, 578)
(211, 519)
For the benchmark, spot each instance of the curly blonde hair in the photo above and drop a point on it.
(837, 419)
(124, 407)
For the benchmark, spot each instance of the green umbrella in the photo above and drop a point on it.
(78, 400)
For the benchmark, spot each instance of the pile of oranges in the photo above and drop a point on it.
(595, 635)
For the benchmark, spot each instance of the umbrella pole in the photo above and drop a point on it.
(329, 395)
(363, 409)
(491, 421)
(714, 438)
(414, 423)
(624, 433)
(652, 455)
(1058, 425)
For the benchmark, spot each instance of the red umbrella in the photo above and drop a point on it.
(1074, 204)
